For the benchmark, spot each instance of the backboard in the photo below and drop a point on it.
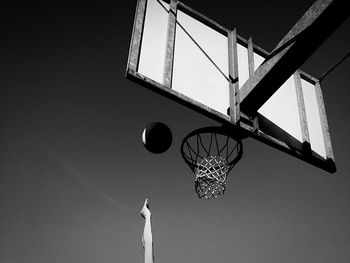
(193, 60)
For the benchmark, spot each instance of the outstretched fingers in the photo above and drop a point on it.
(145, 209)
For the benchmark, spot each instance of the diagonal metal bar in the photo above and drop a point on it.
(313, 28)
(203, 51)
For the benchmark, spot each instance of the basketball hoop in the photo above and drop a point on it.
(211, 153)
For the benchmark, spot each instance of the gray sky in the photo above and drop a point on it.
(74, 173)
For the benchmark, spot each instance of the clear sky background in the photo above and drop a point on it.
(74, 173)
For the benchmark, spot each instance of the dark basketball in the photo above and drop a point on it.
(157, 137)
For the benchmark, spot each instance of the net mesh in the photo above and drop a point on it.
(211, 153)
(210, 176)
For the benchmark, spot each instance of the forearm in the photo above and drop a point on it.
(147, 232)
(148, 253)
(147, 241)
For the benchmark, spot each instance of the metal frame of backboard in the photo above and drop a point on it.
(255, 126)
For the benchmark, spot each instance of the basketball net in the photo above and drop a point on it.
(211, 153)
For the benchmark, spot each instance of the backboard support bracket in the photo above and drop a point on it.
(313, 28)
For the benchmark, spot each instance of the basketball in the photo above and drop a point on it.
(157, 137)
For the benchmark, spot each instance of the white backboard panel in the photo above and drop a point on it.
(152, 53)
(243, 65)
(200, 63)
(313, 118)
(282, 109)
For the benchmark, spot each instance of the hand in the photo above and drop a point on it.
(145, 212)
